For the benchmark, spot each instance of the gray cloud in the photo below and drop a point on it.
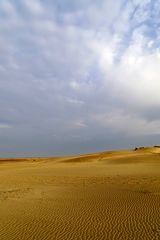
(78, 77)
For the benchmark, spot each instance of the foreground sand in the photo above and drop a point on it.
(108, 195)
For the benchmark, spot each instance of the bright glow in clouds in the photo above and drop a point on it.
(78, 76)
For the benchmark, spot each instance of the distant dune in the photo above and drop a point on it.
(106, 195)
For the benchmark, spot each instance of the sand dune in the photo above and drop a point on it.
(106, 195)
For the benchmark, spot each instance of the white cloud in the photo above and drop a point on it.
(5, 126)
(74, 101)
(34, 7)
(74, 85)
(105, 52)
(76, 124)
(136, 79)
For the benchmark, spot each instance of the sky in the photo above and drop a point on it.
(78, 76)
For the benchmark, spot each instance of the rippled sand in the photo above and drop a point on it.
(109, 195)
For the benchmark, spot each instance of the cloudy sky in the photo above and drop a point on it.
(78, 76)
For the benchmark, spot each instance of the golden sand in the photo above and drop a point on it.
(108, 195)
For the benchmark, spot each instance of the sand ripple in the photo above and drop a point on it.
(100, 212)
